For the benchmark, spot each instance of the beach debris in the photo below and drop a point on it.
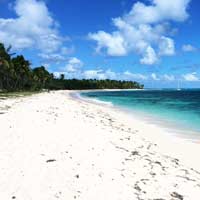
(100, 174)
(135, 153)
(159, 163)
(177, 196)
(137, 188)
(13, 197)
(77, 176)
(176, 161)
(121, 148)
(50, 160)
(57, 195)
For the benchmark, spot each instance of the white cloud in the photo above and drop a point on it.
(166, 46)
(87, 74)
(75, 69)
(150, 57)
(167, 77)
(109, 74)
(113, 42)
(34, 27)
(190, 77)
(162, 77)
(145, 30)
(94, 74)
(101, 74)
(57, 74)
(188, 48)
(160, 10)
(155, 77)
(57, 57)
(132, 76)
(74, 65)
(46, 65)
(53, 57)
(67, 50)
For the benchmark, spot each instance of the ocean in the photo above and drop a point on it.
(180, 109)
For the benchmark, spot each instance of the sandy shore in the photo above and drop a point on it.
(53, 146)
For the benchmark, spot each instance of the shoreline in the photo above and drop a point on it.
(163, 135)
(53, 146)
(169, 126)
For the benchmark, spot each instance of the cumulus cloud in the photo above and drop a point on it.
(34, 27)
(150, 56)
(113, 42)
(166, 46)
(74, 65)
(160, 10)
(191, 77)
(155, 77)
(167, 77)
(188, 48)
(145, 30)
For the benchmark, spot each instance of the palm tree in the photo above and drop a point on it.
(6, 68)
(41, 76)
(62, 77)
(23, 72)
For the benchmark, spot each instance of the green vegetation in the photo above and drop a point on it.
(17, 75)
(75, 84)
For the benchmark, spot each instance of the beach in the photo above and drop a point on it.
(56, 146)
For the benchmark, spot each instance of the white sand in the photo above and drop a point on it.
(55, 147)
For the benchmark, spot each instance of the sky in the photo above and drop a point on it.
(154, 42)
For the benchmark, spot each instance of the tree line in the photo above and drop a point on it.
(16, 74)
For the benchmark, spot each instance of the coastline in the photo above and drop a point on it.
(54, 146)
(174, 128)
(161, 134)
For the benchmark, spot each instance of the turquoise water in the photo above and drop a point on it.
(177, 107)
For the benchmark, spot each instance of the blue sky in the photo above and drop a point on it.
(155, 42)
